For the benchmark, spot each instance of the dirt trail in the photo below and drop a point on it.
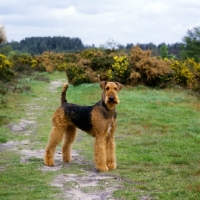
(87, 185)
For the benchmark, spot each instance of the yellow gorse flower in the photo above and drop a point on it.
(62, 66)
(120, 66)
(185, 71)
(109, 74)
(4, 62)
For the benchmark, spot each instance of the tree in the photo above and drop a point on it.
(191, 46)
(164, 51)
(110, 44)
(5, 49)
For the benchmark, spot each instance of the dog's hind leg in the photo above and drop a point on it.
(54, 139)
(68, 139)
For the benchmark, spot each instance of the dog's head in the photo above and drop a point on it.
(110, 93)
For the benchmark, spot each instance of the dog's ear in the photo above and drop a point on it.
(119, 86)
(103, 84)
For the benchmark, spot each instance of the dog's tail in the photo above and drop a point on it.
(63, 94)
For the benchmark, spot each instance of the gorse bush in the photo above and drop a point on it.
(101, 63)
(62, 66)
(46, 62)
(76, 74)
(119, 71)
(91, 53)
(147, 69)
(93, 65)
(23, 62)
(186, 73)
(73, 70)
(6, 72)
(49, 61)
(121, 66)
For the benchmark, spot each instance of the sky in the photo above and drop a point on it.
(97, 22)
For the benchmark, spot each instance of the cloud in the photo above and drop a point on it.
(156, 8)
(94, 22)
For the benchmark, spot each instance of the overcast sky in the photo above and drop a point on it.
(96, 22)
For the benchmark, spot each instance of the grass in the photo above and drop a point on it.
(157, 139)
(23, 181)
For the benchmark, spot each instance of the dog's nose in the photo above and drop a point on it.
(111, 98)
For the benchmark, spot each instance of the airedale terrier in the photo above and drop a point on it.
(98, 120)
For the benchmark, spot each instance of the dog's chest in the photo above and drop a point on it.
(109, 128)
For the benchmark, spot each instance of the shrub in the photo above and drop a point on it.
(76, 74)
(138, 54)
(134, 78)
(6, 73)
(102, 63)
(46, 61)
(147, 69)
(186, 73)
(120, 68)
(91, 53)
(110, 75)
(71, 57)
(153, 71)
(81, 78)
(62, 66)
(66, 59)
(49, 61)
(73, 70)
(84, 62)
(22, 63)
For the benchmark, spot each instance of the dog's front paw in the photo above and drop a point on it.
(102, 169)
(66, 160)
(49, 163)
(111, 166)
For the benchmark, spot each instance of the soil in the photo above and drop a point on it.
(86, 185)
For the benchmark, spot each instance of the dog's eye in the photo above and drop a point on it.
(115, 88)
(107, 88)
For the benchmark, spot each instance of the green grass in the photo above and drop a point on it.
(23, 181)
(158, 139)
(157, 142)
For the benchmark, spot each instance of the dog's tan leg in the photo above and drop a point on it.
(69, 138)
(100, 153)
(110, 153)
(110, 148)
(54, 139)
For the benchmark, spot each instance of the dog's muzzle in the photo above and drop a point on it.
(111, 98)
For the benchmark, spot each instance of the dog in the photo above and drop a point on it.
(98, 120)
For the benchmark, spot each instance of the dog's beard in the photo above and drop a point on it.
(112, 101)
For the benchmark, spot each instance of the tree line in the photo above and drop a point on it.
(38, 45)
(190, 47)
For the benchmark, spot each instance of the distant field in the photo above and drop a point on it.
(157, 142)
